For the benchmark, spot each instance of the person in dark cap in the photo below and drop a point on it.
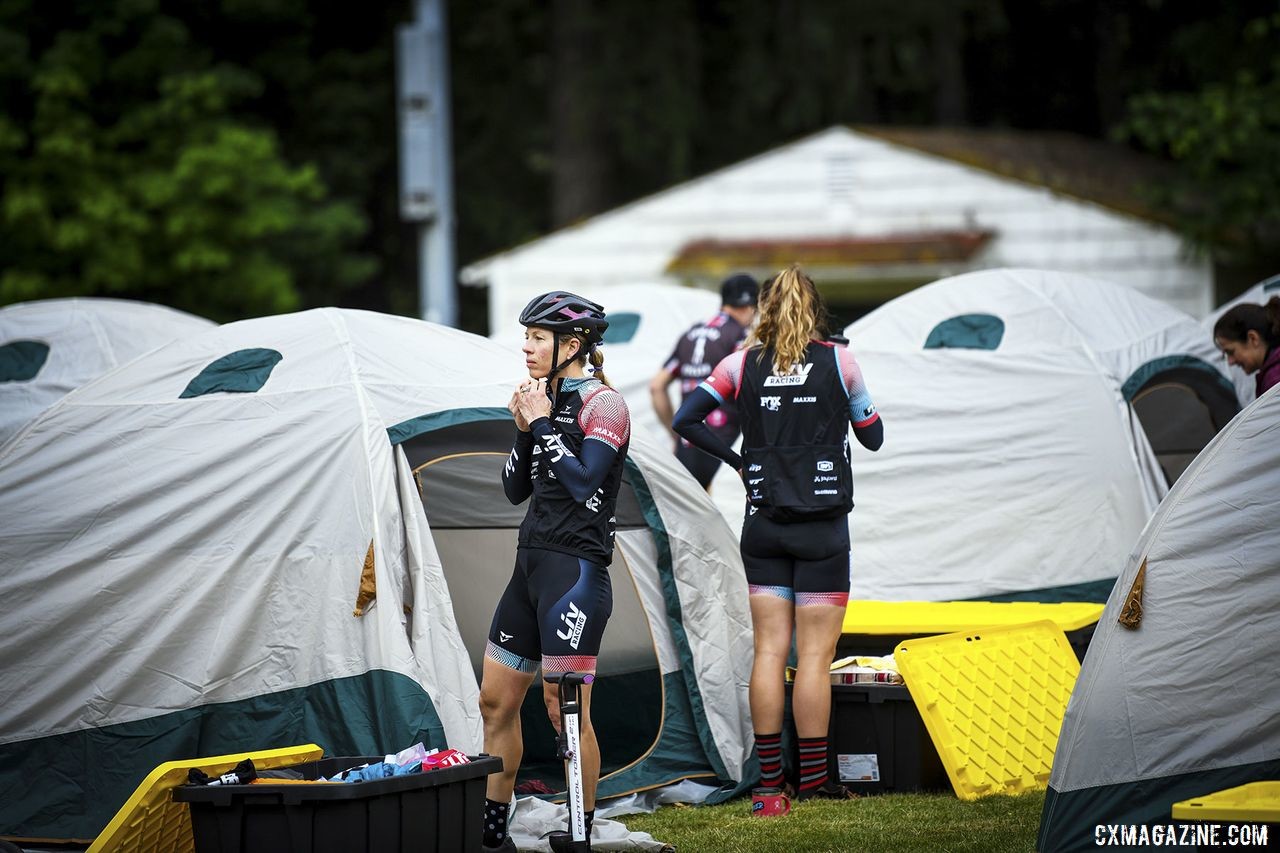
(696, 352)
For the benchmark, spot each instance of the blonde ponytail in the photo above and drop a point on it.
(791, 314)
(597, 366)
(587, 353)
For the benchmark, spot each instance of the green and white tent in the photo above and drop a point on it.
(52, 346)
(1187, 701)
(291, 530)
(1033, 420)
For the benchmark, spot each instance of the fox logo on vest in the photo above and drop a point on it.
(798, 376)
(773, 404)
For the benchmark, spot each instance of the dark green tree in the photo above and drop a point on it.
(1225, 135)
(131, 168)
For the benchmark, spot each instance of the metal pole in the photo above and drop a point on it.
(436, 247)
(426, 156)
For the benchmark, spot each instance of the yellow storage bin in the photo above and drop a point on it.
(993, 702)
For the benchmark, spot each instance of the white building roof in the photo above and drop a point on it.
(854, 185)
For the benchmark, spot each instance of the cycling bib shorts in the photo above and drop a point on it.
(553, 612)
(804, 561)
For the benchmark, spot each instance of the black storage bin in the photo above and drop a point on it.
(437, 811)
(880, 720)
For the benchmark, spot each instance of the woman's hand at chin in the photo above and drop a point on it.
(514, 408)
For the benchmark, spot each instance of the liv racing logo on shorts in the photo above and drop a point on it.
(575, 620)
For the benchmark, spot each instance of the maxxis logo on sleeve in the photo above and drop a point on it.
(608, 435)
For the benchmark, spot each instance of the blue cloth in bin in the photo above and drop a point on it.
(381, 770)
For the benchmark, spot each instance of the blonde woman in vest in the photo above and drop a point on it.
(796, 396)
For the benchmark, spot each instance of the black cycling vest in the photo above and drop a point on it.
(795, 436)
(556, 521)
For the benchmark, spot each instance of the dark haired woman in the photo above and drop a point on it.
(1249, 336)
(572, 434)
(796, 396)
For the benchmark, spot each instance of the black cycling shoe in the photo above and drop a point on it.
(507, 846)
(829, 791)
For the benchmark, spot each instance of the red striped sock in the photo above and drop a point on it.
(813, 763)
(769, 748)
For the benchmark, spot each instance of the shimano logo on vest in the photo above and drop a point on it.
(575, 620)
(773, 404)
(798, 376)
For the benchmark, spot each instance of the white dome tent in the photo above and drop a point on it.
(1259, 294)
(1182, 700)
(52, 346)
(1016, 463)
(292, 530)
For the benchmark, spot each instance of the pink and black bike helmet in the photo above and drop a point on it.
(563, 312)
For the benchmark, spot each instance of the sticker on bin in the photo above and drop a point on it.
(859, 767)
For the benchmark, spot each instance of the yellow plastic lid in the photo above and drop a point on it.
(992, 701)
(945, 617)
(1257, 801)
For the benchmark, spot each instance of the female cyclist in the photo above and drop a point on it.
(796, 395)
(572, 434)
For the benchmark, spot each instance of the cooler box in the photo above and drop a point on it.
(438, 811)
(877, 627)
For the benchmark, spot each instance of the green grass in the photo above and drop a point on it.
(938, 823)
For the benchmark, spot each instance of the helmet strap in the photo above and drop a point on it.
(555, 355)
